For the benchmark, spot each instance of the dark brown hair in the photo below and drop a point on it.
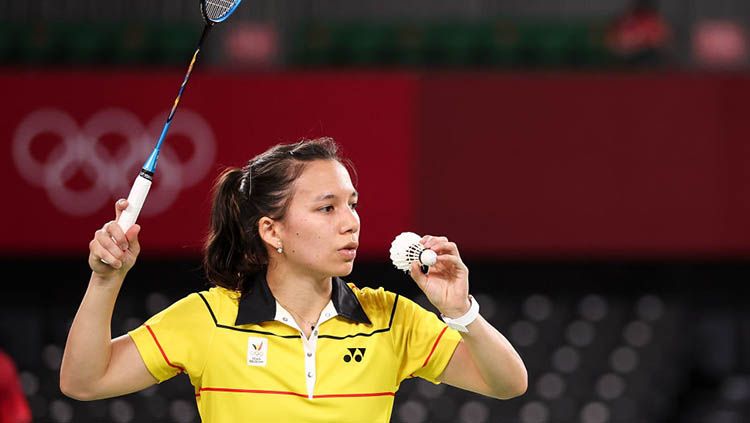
(242, 196)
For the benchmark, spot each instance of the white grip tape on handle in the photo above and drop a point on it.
(135, 202)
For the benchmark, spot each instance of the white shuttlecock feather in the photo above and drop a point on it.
(406, 249)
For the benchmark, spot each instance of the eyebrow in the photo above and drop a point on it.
(328, 196)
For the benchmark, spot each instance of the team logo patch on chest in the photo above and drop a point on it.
(257, 351)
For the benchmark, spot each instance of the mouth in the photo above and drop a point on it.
(349, 251)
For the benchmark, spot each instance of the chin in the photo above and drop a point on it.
(345, 270)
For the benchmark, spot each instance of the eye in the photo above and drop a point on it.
(326, 209)
(353, 206)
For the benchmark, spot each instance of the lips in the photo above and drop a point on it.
(349, 251)
(351, 246)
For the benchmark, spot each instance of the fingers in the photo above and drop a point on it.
(429, 240)
(112, 248)
(416, 273)
(440, 245)
(103, 254)
(120, 206)
(446, 247)
(132, 236)
(110, 244)
(448, 259)
(118, 236)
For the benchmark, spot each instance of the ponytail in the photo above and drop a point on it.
(227, 240)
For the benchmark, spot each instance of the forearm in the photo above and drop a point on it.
(88, 348)
(496, 360)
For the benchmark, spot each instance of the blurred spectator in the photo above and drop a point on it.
(720, 44)
(252, 44)
(13, 406)
(640, 35)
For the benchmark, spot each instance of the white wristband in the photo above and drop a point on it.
(460, 323)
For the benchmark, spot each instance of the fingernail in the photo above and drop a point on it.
(120, 202)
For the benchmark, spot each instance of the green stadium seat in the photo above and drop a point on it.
(368, 44)
(312, 45)
(9, 42)
(42, 43)
(541, 44)
(409, 40)
(502, 44)
(594, 51)
(130, 43)
(89, 44)
(173, 44)
(453, 44)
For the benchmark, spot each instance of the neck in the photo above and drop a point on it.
(305, 294)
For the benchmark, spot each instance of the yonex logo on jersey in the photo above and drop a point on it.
(257, 351)
(356, 353)
(80, 149)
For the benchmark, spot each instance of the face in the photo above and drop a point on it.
(320, 231)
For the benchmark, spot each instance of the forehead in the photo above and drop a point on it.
(323, 177)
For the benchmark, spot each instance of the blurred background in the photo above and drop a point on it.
(589, 158)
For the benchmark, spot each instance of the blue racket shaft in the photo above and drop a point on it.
(214, 11)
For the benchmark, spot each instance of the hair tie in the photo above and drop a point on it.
(245, 184)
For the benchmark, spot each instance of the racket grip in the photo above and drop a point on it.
(136, 198)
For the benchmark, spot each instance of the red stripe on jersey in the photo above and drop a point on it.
(162, 350)
(434, 346)
(263, 391)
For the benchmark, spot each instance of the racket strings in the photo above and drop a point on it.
(216, 9)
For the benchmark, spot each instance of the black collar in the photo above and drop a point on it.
(258, 304)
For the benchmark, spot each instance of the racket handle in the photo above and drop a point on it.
(136, 198)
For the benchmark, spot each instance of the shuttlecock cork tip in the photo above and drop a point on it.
(428, 257)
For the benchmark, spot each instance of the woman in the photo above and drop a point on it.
(280, 337)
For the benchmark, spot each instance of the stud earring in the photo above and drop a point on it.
(279, 250)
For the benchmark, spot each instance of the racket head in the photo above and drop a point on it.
(215, 11)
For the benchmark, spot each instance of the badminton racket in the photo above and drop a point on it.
(213, 11)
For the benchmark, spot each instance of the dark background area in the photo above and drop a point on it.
(622, 341)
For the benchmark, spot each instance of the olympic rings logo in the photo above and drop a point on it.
(80, 149)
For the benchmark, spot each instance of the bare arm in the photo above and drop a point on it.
(484, 362)
(94, 365)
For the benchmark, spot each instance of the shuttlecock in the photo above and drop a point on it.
(406, 249)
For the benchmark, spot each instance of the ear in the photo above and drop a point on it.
(270, 232)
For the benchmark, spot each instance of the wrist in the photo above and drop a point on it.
(113, 280)
(456, 312)
(460, 323)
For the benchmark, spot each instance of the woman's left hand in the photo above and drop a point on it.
(446, 284)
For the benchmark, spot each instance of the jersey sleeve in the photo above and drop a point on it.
(177, 339)
(423, 342)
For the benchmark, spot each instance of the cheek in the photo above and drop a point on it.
(307, 241)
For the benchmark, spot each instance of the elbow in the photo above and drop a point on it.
(520, 388)
(516, 388)
(72, 391)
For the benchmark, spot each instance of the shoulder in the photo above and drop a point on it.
(216, 303)
(373, 296)
(220, 302)
(377, 303)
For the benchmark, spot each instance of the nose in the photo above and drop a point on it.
(350, 221)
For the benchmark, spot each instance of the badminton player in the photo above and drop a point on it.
(280, 337)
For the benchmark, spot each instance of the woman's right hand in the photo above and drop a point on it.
(112, 252)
